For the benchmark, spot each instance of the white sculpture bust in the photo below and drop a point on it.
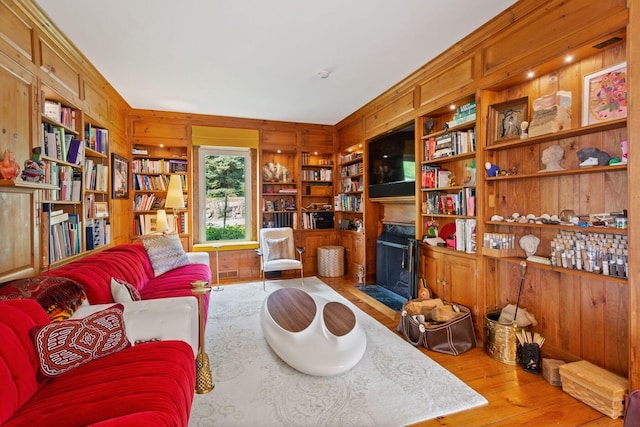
(551, 157)
(529, 243)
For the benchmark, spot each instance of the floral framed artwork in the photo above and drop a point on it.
(604, 95)
(119, 177)
(505, 119)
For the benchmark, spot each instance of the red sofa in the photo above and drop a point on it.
(149, 384)
(129, 262)
(146, 385)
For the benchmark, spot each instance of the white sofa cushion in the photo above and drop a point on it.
(174, 318)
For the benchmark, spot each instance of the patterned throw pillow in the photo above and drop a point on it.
(165, 252)
(63, 346)
(122, 291)
(59, 296)
(278, 248)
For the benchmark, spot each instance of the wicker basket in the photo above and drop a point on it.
(597, 387)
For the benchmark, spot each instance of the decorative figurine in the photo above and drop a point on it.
(551, 157)
(33, 171)
(529, 243)
(492, 170)
(361, 275)
(523, 126)
(592, 156)
(429, 126)
(9, 169)
(625, 152)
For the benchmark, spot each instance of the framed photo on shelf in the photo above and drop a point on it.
(505, 119)
(101, 210)
(604, 95)
(119, 177)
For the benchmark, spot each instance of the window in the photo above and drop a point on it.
(225, 202)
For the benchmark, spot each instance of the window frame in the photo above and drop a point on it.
(209, 150)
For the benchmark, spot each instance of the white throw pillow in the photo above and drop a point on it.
(278, 248)
(122, 291)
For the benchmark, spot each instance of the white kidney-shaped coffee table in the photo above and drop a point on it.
(312, 334)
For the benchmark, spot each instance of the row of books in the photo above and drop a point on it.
(159, 166)
(351, 157)
(56, 143)
(435, 176)
(279, 205)
(348, 203)
(280, 219)
(150, 183)
(97, 232)
(70, 184)
(64, 234)
(349, 185)
(96, 138)
(66, 178)
(60, 113)
(351, 170)
(97, 176)
(465, 237)
(464, 114)
(450, 144)
(317, 175)
(147, 202)
(461, 203)
(317, 220)
(147, 224)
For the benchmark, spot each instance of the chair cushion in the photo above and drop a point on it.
(165, 252)
(278, 248)
(282, 264)
(63, 346)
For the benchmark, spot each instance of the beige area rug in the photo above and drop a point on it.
(393, 385)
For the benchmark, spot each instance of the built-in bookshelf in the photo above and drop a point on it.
(317, 198)
(448, 175)
(151, 167)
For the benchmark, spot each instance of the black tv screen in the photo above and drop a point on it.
(392, 165)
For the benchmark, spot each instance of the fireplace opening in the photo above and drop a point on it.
(396, 260)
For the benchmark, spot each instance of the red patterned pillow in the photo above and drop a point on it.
(59, 296)
(122, 291)
(63, 346)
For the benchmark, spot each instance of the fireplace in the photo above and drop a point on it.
(396, 260)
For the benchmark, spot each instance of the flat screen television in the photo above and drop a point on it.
(392, 164)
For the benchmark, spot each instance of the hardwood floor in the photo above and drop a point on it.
(515, 397)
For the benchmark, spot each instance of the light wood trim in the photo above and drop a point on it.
(633, 172)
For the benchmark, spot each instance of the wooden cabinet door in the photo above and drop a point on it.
(431, 269)
(460, 279)
(19, 246)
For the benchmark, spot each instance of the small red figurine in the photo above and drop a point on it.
(9, 169)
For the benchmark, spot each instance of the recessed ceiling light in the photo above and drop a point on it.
(530, 74)
(452, 107)
(568, 58)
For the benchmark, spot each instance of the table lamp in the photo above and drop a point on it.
(175, 199)
(162, 224)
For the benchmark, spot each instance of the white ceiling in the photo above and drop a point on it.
(260, 58)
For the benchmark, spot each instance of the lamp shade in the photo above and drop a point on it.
(162, 224)
(175, 200)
